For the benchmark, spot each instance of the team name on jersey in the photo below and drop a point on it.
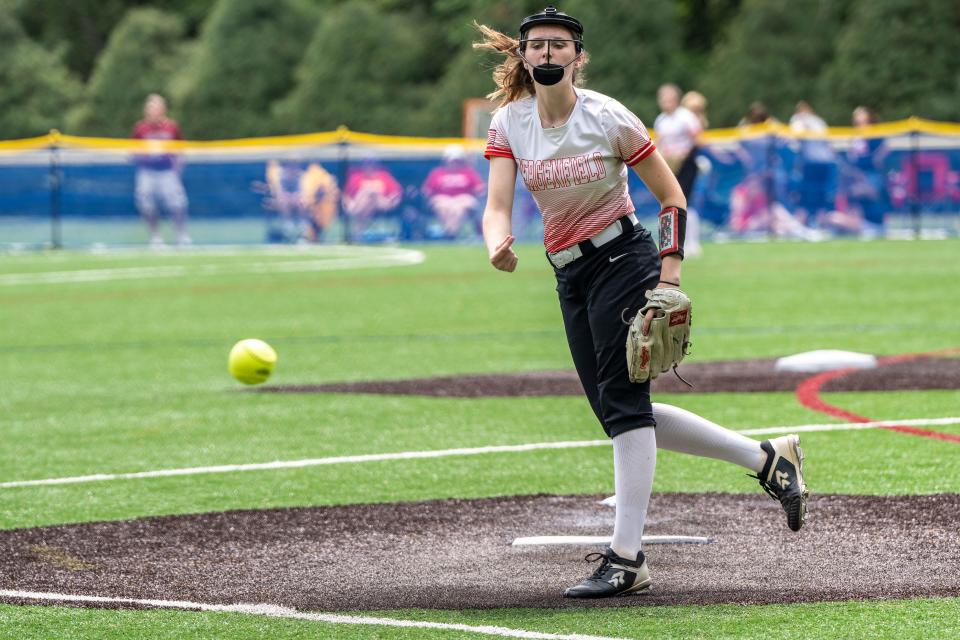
(540, 175)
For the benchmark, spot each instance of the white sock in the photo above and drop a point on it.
(634, 460)
(686, 432)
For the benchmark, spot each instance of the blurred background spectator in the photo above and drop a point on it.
(371, 191)
(677, 130)
(452, 192)
(302, 196)
(813, 179)
(157, 182)
(757, 203)
(865, 185)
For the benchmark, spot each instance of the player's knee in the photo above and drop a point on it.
(147, 210)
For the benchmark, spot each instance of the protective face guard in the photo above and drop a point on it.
(537, 44)
(548, 73)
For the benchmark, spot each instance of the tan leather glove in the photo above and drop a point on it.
(668, 340)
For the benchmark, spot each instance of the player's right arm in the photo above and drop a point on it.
(497, 216)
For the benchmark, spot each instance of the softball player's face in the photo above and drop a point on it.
(861, 117)
(668, 99)
(549, 44)
(155, 110)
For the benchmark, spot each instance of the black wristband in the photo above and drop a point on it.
(676, 284)
(673, 231)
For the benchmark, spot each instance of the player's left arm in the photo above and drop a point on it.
(658, 177)
(655, 173)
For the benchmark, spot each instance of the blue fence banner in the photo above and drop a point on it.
(900, 178)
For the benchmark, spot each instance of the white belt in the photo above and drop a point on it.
(612, 231)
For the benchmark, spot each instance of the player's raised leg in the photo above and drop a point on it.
(778, 463)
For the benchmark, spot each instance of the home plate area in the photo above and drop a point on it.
(457, 554)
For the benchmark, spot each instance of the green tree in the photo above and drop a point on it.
(83, 27)
(144, 51)
(35, 86)
(632, 48)
(772, 52)
(367, 69)
(243, 62)
(894, 56)
(703, 21)
(469, 71)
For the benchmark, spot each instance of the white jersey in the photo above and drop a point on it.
(577, 172)
(677, 132)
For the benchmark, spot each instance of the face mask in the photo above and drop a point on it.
(549, 73)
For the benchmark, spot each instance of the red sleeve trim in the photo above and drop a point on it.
(500, 153)
(641, 154)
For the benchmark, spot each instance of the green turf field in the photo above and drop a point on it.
(115, 363)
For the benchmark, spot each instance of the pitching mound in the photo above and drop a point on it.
(706, 377)
(456, 553)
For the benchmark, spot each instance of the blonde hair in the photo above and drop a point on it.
(871, 115)
(511, 77)
(697, 103)
(155, 97)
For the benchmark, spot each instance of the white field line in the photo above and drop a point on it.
(442, 453)
(592, 540)
(275, 611)
(851, 426)
(385, 258)
(108, 253)
(290, 464)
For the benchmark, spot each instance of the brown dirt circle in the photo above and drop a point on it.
(706, 377)
(456, 554)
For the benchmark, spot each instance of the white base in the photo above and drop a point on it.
(605, 540)
(826, 360)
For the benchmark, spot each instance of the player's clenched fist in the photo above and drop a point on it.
(503, 257)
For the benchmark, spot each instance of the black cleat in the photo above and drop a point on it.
(782, 477)
(615, 576)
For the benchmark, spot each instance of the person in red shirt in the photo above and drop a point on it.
(370, 191)
(453, 190)
(158, 179)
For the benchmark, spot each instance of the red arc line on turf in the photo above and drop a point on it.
(808, 393)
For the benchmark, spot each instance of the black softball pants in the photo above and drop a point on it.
(599, 293)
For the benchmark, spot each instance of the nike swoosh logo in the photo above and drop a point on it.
(614, 259)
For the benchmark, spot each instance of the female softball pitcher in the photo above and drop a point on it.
(572, 148)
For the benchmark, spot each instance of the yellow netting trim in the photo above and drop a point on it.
(26, 144)
(344, 135)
